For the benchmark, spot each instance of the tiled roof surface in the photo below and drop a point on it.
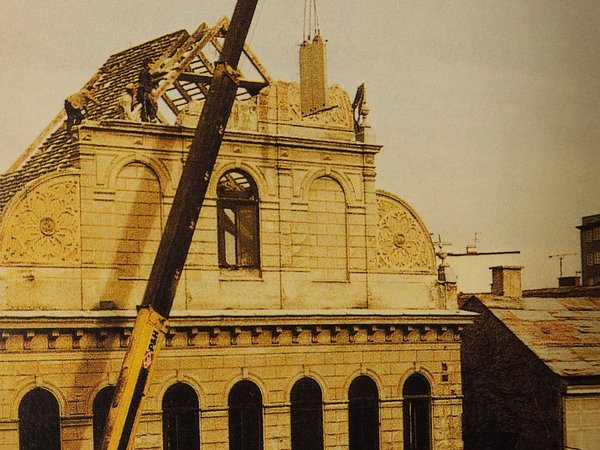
(57, 152)
(564, 332)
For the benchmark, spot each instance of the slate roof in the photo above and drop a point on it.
(57, 152)
(564, 332)
(186, 62)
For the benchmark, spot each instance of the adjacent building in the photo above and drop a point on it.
(309, 314)
(590, 250)
(531, 367)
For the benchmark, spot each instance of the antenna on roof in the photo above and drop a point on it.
(560, 257)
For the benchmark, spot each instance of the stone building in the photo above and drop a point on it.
(309, 314)
(590, 250)
(531, 367)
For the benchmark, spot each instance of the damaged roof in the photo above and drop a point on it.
(563, 332)
(184, 60)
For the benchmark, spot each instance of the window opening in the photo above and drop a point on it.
(245, 417)
(417, 413)
(363, 414)
(39, 421)
(237, 218)
(181, 418)
(100, 409)
(307, 415)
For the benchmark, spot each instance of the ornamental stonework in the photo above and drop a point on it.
(44, 227)
(403, 243)
(338, 113)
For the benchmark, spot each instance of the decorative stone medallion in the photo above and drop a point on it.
(43, 225)
(403, 243)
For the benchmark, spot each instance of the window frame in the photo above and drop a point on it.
(421, 402)
(34, 437)
(306, 415)
(245, 223)
(184, 416)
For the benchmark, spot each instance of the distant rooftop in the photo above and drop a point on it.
(563, 332)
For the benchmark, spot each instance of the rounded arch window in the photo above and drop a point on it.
(306, 415)
(39, 421)
(417, 413)
(181, 418)
(100, 409)
(363, 414)
(237, 221)
(245, 417)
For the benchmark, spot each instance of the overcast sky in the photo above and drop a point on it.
(489, 111)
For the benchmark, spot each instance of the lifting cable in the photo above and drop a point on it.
(311, 20)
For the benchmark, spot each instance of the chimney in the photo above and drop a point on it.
(506, 281)
(313, 76)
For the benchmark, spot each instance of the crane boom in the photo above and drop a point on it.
(152, 319)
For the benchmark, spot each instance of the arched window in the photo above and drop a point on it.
(39, 421)
(363, 414)
(237, 220)
(245, 417)
(307, 415)
(417, 411)
(100, 410)
(328, 230)
(181, 418)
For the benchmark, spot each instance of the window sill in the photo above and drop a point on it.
(240, 274)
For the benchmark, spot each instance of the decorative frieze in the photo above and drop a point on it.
(110, 338)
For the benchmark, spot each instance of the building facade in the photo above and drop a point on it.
(531, 367)
(309, 299)
(590, 250)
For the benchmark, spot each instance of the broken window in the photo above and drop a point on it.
(245, 417)
(417, 413)
(39, 421)
(100, 409)
(237, 216)
(181, 418)
(363, 414)
(307, 415)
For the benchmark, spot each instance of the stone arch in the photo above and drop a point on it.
(320, 380)
(258, 381)
(158, 167)
(156, 403)
(362, 372)
(89, 402)
(427, 374)
(262, 184)
(343, 180)
(28, 386)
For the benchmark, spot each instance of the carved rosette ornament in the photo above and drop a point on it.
(403, 243)
(43, 226)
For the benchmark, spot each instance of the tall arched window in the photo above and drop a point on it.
(307, 415)
(245, 417)
(363, 414)
(237, 220)
(39, 421)
(181, 418)
(328, 230)
(417, 413)
(100, 410)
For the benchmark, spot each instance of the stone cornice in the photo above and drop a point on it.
(246, 137)
(45, 330)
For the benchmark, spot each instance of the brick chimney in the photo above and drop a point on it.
(506, 281)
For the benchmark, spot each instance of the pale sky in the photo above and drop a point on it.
(489, 111)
